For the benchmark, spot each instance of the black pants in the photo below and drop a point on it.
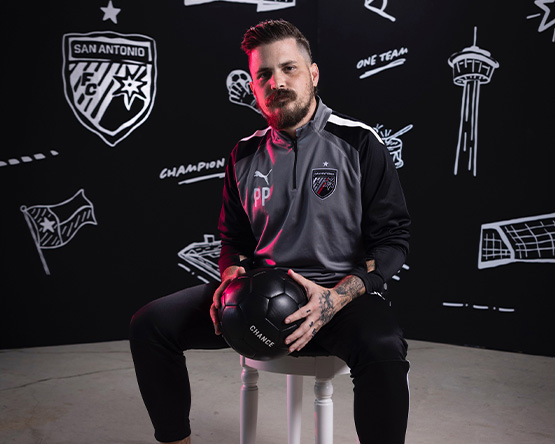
(364, 334)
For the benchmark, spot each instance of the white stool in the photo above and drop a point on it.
(324, 368)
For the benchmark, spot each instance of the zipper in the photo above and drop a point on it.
(295, 165)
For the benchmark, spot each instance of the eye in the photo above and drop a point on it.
(263, 75)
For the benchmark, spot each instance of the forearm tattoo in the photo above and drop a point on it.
(326, 306)
(349, 289)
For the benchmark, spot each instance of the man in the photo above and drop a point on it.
(316, 194)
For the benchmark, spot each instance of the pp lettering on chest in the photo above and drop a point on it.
(261, 196)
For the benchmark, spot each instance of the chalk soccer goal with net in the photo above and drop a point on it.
(528, 239)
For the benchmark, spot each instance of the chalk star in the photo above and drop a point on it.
(110, 13)
(130, 86)
(544, 24)
(547, 11)
(47, 225)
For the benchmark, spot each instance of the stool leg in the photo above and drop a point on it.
(294, 407)
(323, 410)
(248, 406)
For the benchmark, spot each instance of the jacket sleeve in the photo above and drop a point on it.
(385, 220)
(234, 226)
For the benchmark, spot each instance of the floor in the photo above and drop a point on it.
(88, 394)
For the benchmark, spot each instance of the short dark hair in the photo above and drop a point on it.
(271, 31)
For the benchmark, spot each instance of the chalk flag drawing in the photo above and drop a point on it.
(26, 159)
(261, 5)
(202, 256)
(393, 142)
(547, 11)
(53, 226)
(380, 11)
(528, 239)
(472, 67)
(239, 90)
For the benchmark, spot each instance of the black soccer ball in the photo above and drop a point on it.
(253, 310)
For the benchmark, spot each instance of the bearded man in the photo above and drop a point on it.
(315, 194)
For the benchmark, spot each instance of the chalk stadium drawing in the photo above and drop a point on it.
(201, 259)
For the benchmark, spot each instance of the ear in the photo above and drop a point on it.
(251, 87)
(315, 73)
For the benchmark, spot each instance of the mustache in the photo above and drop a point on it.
(280, 94)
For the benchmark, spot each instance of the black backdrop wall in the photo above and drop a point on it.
(119, 116)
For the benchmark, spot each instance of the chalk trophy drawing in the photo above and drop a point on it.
(26, 159)
(109, 81)
(53, 226)
(547, 11)
(393, 143)
(380, 11)
(261, 5)
(472, 67)
(239, 91)
(528, 239)
(202, 256)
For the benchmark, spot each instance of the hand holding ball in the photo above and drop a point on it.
(253, 310)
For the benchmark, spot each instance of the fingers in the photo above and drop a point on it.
(215, 319)
(226, 279)
(317, 312)
(302, 312)
(299, 279)
(217, 298)
(216, 305)
(302, 335)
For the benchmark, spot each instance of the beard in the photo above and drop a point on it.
(287, 117)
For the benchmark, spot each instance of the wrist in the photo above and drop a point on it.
(350, 287)
(373, 282)
(229, 272)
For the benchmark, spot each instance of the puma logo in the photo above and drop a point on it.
(265, 177)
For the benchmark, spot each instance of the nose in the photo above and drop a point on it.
(277, 81)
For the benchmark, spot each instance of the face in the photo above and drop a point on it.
(283, 83)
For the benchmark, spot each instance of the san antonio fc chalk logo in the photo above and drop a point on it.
(110, 81)
(324, 181)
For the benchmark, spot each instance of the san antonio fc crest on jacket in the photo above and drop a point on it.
(324, 181)
(110, 81)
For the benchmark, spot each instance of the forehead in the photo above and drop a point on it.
(276, 53)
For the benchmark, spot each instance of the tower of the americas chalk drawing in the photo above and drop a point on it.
(471, 67)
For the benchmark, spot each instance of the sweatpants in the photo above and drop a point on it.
(365, 334)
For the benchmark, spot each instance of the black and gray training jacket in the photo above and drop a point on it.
(321, 204)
